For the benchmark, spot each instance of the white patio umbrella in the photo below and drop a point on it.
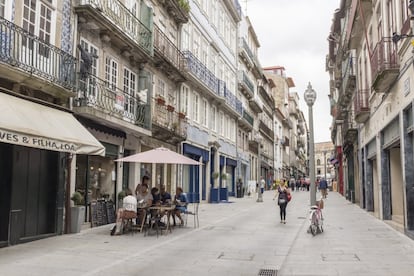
(159, 156)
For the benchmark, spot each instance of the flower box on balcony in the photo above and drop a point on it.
(181, 115)
(170, 108)
(160, 101)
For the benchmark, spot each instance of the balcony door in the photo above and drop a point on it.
(88, 87)
(38, 20)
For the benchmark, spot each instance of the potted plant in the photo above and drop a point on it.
(77, 212)
(160, 100)
(170, 108)
(181, 115)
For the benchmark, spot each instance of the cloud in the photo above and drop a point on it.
(292, 33)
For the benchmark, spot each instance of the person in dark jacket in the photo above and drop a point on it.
(323, 186)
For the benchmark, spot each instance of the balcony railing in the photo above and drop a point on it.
(266, 130)
(361, 105)
(350, 130)
(232, 101)
(123, 19)
(201, 72)
(349, 71)
(248, 117)
(384, 64)
(98, 94)
(246, 82)
(167, 49)
(238, 7)
(30, 54)
(169, 119)
(247, 49)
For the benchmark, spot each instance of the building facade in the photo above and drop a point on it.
(371, 104)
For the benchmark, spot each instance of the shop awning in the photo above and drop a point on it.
(30, 124)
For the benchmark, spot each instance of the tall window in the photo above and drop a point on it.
(90, 84)
(161, 88)
(185, 37)
(2, 7)
(130, 80)
(221, 124)
(213, 118)
(204, 51)
(232, 130)
(37, 20)
(213, 64)
(196, 43)
(204, 112)
(195, 109)
(111, 73)
(185, 97)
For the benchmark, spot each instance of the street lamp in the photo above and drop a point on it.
(310, 98)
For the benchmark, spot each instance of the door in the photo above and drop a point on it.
(5, 190)
(33, 193)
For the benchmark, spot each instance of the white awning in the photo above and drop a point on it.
(30, 124)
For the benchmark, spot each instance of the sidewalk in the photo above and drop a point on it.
(353, 243)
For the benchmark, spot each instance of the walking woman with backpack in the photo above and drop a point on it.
(283, 196)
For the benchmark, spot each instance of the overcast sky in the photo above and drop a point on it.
(293, 34)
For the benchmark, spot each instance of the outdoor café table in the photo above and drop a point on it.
(164, 209)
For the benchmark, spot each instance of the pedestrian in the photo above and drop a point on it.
(282, 194)
(262, 185)
(323, 186)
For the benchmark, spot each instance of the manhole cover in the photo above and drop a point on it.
(267, 272)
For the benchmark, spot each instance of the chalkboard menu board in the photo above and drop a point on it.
(102, 212)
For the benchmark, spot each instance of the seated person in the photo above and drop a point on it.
(128, 211)
(181, 204)
(144, 199)
(156, 197)
(165, 196)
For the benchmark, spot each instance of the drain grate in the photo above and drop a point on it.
(267, 272)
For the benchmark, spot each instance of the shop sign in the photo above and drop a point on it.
(36, 142)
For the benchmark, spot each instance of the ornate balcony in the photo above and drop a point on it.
(167, 125)
(178, 9)
(349, 78)
(118, 25)
(246, 85)
(361, 106)
(350, 130)
(247, 121)
(263, 128)
(98, 100)
(384, 65)
(293, 110)
(201, 73)
(26, 59)
(167, 56)
(246, 53)
(233, 102)
(256, 104)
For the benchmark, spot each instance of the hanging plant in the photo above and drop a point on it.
(160, 100)
(170, 108)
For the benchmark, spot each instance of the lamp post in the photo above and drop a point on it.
(324, 162)
(259, 170)
(310, 98)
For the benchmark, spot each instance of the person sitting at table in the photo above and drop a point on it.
(156, 201)
(144, 199)
(165, 196)
(128, 211)
(181, 202)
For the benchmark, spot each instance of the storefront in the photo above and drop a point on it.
(193, 179)
(36, 145)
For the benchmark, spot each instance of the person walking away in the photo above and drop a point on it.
(323, 186)
(262, 185)
(282, 200)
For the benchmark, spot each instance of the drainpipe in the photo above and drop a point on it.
(67, 193)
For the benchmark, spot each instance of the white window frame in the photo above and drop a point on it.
(130, 90)
(204, 51)
(7, 8)
(111, 73)
(196, 43)
(185, 99)
(92, 90)
(221, 123)
(161, 88)
(185, 40)
(204, 112)
(195, 108)
(213, 115)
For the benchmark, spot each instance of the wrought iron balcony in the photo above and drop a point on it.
(33, 57)
(167, 124)
(246, 52)
(232, 101)
(350, 130)
(168, 54)
(384, 65)
(246, 84)
(256, 104)
(266, 130)
(118, 21)
(98, 95)
(361, 106)
(249, 118)
(349, 71)
(199, 71)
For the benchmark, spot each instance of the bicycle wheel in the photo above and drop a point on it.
(313, 229)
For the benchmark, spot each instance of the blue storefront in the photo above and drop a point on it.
(191, 174)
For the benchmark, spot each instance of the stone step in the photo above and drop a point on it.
(397, 226)
(398, 219)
